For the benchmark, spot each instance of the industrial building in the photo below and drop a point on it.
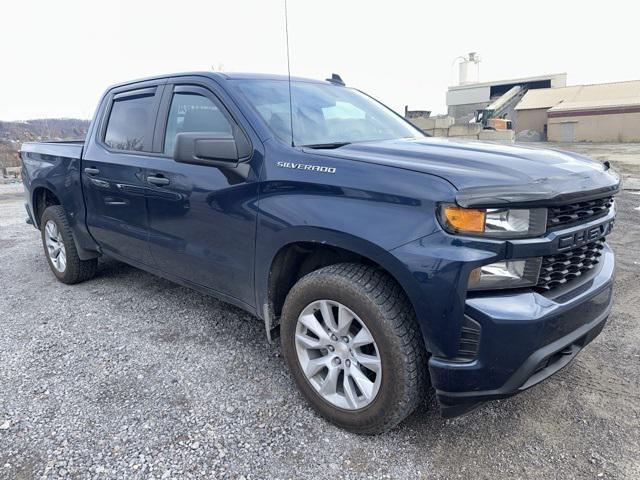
(535, 108)
(465, 99)
(606, 112)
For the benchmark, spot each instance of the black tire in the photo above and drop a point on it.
(76, 270)
(382, 305)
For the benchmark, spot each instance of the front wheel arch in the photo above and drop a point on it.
(351, 249)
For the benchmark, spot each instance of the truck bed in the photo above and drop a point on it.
(54, 167)
(68, 148)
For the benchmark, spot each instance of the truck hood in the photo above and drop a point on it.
(488, 174)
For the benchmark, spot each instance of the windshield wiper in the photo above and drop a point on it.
(326, 145)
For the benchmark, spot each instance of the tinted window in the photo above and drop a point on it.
(130, 121)
(191, 112)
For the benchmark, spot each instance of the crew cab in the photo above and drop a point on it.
(389, 264)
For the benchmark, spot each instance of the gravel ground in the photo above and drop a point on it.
(130, 376)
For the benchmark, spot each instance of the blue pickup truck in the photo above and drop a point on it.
(388, 263)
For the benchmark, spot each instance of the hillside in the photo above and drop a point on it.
(12, 134)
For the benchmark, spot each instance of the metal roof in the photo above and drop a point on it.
(558, 77)
(546, 97)
(596, 104)
(601, 95)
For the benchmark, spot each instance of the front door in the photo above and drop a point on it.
(202, 219)
(113, 172)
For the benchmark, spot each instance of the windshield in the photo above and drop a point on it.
(323, 114)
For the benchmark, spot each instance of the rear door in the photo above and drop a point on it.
(113, 171)
(202, 219)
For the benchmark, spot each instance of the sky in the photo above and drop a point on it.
(59, 56)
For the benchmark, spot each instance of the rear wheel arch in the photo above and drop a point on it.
(58, 241)
(42, 198)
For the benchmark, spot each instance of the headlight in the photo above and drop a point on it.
(494, 222)
(506, 274)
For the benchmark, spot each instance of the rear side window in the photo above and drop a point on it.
(130, 123)
(191, 112)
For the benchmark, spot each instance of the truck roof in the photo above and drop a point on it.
(222, 76)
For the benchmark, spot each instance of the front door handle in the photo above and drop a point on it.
(160, 181)
(91, 171)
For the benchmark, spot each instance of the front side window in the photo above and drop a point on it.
(130, 122)
(191, 112)
(323, 113)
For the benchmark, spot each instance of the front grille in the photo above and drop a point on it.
(580, 212)
(564, 267)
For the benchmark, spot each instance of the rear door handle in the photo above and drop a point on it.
(91, 171)
(160, 181)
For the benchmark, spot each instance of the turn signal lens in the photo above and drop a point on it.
(493, 222)
(464, 219)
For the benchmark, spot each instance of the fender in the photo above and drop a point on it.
(267, 252)
(61, 176)
(390, 207)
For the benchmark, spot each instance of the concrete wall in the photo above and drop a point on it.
(429, 123)
(464, 113)
(469, 131)
(620, 127)
(464, 129)
(497, 135)
(534, 119)
(468, 94)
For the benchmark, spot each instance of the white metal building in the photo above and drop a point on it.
(464, 100)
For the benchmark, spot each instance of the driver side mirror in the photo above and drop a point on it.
(215, 149)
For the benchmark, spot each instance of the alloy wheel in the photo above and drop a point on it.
(55, 246)
(338, 355)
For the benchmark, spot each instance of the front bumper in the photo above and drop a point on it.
(525, 338)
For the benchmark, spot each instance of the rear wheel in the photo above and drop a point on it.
(60, 248)
(350, 338)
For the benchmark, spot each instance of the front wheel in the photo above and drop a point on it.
(350, 338)
(60, 248)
